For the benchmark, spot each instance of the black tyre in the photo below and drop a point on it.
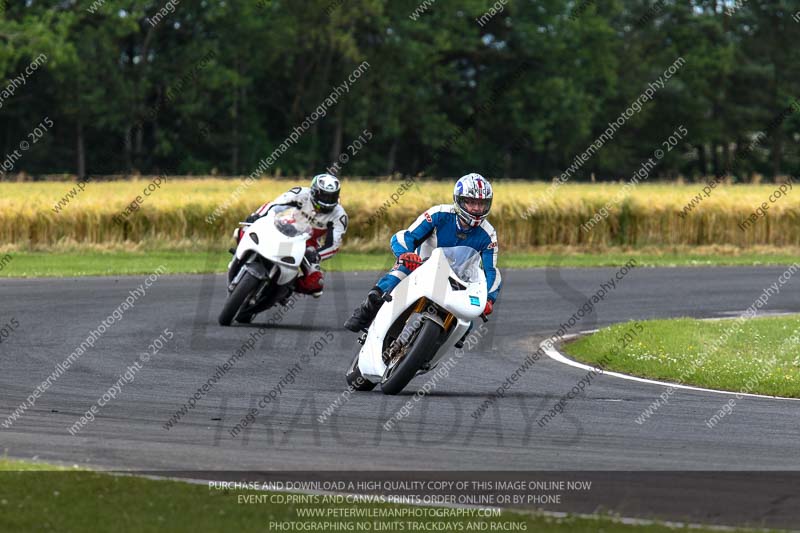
(241, 293)
(356, 380)
(417, 355)
(246, 319)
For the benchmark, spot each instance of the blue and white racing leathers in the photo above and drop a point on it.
(439, 227)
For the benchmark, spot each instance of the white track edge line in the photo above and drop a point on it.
(554, 354)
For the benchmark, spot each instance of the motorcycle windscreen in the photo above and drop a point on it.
(464, 261)
(290, 221)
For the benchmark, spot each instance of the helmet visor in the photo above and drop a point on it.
(326, 200)
(476, 207)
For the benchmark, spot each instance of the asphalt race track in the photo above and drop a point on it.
(596, 432)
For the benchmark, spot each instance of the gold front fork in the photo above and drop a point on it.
(448, 321)
(420, 305)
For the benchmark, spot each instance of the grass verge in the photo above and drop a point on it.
(760, 356)
(97, 262)
(63, 500)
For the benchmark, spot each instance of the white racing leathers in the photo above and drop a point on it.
(328, 228)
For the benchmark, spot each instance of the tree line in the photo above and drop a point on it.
(512, 88)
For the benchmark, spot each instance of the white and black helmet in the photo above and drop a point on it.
(472, 199)
(325, 192)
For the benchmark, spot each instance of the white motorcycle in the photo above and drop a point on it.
(423, 317)
(269, 256)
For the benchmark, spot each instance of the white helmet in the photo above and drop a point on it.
(325, 192)
(472, 199)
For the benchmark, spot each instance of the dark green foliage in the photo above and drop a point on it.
(213, 87)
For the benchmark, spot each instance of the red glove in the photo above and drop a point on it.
(310, 284)
(410, 260)
(489, 308)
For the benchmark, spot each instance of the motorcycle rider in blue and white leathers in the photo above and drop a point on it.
(462, 223)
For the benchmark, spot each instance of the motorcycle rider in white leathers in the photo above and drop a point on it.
(320, 205)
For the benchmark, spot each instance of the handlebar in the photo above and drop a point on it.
(483, 317)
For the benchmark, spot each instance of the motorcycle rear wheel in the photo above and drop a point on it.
(356, 380)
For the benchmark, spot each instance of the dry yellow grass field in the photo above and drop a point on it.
(175, 215)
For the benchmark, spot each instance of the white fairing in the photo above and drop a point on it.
(429, 281)
(281, 235)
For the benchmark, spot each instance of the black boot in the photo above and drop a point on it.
(365, 313)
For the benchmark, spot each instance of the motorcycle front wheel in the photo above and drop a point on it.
(417, 354)
(236, 299)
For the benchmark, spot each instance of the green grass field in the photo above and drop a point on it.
(94, 262)
(37, 497)
(761, 357)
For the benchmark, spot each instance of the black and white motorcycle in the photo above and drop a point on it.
(269, 256)
(423, 318)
